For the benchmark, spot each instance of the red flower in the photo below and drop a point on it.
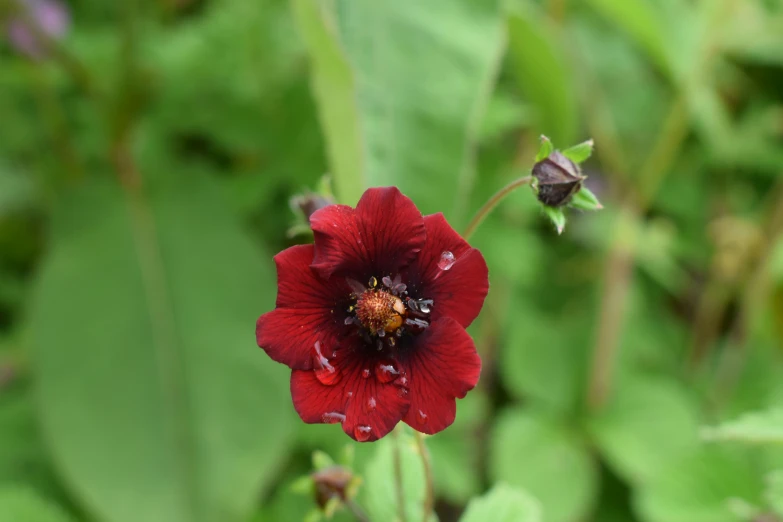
(372, 318)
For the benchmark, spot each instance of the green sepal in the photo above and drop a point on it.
(545, 150)
(579, 153)
(556, 216)
(584, 199)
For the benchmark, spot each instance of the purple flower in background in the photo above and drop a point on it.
(51, 18)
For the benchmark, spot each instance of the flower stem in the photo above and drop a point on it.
(398, 477)
(429, 498)
(357, 511)
(492, 202)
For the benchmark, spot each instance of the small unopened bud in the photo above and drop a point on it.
(557, 179)
(332, 482)
(309, 203)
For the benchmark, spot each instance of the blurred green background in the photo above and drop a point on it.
(148, 153)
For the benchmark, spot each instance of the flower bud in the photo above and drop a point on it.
(310, 202)
(332, 482)
(557, 179)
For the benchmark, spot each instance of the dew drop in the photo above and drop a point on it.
(381, 333)
(422, 417)
(366, 373)
(369, 407)
(401, 381)
(348, 394)
(386, 372)
(425, 305)
(325, 372)
(362, 433)
(333, 417)
(447, 260)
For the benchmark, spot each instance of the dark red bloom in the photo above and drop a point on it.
(372, 318)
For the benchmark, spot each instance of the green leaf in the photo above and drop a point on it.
(141, 329)
(454, 451)
(25, 505)
(543, 74)
(379, 495)
(418, 88)
(556, 216)
(503, 504)
(649, 423)
(335, 90)
(581, 152)
(774, 491)
(585, 200)
(763, 427)
(700, 488)
(533, 452)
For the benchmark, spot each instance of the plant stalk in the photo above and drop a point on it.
(493, 202)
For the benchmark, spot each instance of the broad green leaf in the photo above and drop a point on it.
(503, 504)
(19, 504)
(422, 73)
(535, 453)
(700, 488)
(155, 400)
(543, 74)
(455, 452)
(334, 88)
(379, 495)
(763, 427)
(649, 423)
(543, 359)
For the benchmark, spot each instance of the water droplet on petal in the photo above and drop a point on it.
(349, 394)
(425, 305)
(365, 373)
(333, 417)
(422, 417)
(386, 372)
(402, 381)
(325, 372)
(447, 260)
(369, 407)
(362, 433)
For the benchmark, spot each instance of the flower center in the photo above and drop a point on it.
(384, 307)
(380, 311)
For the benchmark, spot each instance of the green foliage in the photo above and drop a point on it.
(631, 367)
(503, 504)
(138, 287)
(380, 493)
(25, 505)
(764, 427)
(535, 452)
(704, 486)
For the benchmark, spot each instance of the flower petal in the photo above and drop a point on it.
(309, 310)
(457, 291)
(380, 237)
(442, 366)
(366, 407)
